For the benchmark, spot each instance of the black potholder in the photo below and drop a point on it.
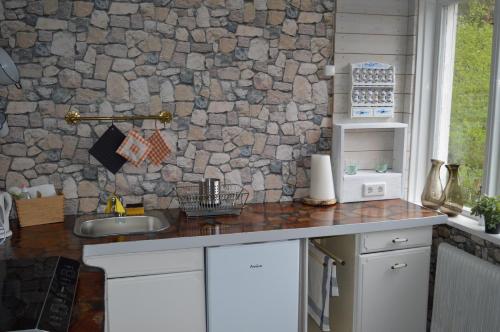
(105, 148)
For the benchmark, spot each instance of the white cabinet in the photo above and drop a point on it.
(384, 285)
(154, 291)
(164, 302)
(393, 291)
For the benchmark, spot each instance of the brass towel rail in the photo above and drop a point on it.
(74, 117)
(328, 252)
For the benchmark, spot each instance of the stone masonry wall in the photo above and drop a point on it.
(242, 79)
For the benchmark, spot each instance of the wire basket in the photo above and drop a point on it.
(230, 200)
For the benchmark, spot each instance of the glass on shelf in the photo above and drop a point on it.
(351, 168)
(381, 166)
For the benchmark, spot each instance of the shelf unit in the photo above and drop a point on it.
(372, 90)
(367, 144)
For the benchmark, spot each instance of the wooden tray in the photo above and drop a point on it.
(39, 211)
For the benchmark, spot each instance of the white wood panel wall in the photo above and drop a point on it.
(367, 148)
(375, 30)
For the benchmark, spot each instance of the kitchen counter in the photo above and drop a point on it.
(257, 223)
(273, 222)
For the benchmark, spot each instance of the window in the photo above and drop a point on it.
(464, 108)
(470, 92)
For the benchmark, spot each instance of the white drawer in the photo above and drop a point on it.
(396, 239)
(147, 263)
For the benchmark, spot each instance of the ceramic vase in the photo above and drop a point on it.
(432, 196)
(453, 198)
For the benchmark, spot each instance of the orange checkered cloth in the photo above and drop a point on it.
(134, 148)
(159, 148)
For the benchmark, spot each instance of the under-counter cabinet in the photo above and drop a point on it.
(154, 291)
(393, 291)
(164, 302)
(384, 285)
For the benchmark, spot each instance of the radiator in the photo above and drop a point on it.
(466, 293)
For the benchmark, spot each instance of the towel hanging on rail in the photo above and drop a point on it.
(322, 284)
(159, 148)
(104, 150)
(134, 148)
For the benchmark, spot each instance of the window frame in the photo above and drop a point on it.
(429, 139)
(491, 180)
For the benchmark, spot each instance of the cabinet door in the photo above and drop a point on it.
(393, 291)
(165, 302)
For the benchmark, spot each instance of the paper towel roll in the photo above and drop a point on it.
(321, 178)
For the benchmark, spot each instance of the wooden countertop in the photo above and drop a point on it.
(88, 312)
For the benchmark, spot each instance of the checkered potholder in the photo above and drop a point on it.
(134, 148)
(159, 148)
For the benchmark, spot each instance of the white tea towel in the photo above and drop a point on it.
(322, 283)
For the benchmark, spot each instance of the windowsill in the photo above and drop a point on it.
(471, 226)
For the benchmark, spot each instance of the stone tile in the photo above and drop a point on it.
(122, 8)
(249, 31)
(25, 39)
(184, 93)
(275, 17)
(276, 4)
(82, 8)
(259, 49)
(117, 88)
(309, 17)
(100, 19)
(19, 107)
(63, 44)
(44, 23)
(220, 107)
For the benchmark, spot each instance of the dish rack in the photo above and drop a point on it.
(230, 200)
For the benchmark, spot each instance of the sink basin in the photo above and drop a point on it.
(120, 226)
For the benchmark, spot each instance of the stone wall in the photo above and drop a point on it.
(242, 79)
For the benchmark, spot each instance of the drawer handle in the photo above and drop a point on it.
(399, 240)
(398, 266)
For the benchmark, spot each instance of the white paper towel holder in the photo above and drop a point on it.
(321, 174)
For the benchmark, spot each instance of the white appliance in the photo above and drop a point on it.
(253, 287)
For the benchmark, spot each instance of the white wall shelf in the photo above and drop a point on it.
(366, 145)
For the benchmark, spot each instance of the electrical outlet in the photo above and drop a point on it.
(374, 189)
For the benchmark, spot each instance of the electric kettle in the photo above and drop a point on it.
(5, 206)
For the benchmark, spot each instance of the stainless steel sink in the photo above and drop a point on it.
(120, 225)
